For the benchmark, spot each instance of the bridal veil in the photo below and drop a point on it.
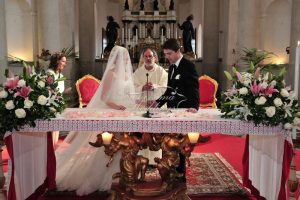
(80, 166)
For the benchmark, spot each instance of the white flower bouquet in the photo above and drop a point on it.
(27, 98)
(261, 97)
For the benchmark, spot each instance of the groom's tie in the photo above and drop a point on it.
(172, 67)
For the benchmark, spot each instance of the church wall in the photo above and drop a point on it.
(19, 29)
(276, 25)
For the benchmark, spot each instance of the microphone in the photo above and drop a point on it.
(147, 114)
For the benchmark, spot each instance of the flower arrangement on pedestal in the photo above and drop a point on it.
(28, 97)
(260, 96)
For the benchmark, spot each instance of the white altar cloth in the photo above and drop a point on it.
(177, 121)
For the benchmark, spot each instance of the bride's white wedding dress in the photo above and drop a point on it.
(80, 166)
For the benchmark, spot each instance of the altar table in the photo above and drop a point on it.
(267, 156)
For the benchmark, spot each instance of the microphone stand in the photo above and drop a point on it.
(147, 114)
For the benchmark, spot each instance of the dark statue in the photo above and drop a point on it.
(155, 5)
(111, 33)
(142, 5)
(126, 6)
(171, 7)
(188, 34)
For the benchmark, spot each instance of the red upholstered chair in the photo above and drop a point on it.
(86, 88)
(207, 92)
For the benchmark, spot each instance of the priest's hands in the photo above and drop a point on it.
(148, 87)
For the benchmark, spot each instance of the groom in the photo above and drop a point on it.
(183, 85)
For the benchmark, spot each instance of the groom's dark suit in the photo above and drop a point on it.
(182, 92)
(183, 86)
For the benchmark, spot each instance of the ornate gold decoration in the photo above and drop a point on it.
(133, 166)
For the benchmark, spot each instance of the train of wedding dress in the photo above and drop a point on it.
(81, 167)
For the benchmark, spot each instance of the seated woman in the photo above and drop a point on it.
(80, 166)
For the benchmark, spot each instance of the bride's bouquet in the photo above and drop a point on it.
(261, 97)
(28, 97)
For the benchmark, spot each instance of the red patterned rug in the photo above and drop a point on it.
(211, 174)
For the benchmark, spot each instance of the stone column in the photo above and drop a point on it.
(3, 41)
(35, 41)
(229, 31)
(87, 36)
(3, 65)
(210, 38)
(249, 26)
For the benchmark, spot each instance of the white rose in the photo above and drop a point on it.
(243, 90)
(273, 83)
(42, 100)
(284, 93)
(260, 101)
(296, 120)
(41, 84)
(3, 94)
(21, 83)
(247, 82)
(20, 113)
(277, 102)
(28, 103)
(270, 111)
(9, 105)
(264, 85)
(287, 126)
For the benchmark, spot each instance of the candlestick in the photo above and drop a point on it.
(122, 36)
(193, 137)
(106, 137)
(296, 78)
(129, 35)
(136, 36)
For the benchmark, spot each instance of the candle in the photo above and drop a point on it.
(106, 137)
(296, 78)
(193, 137)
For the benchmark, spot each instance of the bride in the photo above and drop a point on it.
(80, 166)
